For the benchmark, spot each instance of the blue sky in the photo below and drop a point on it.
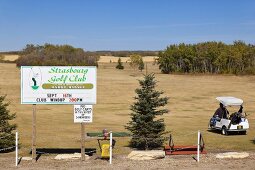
(124, 24)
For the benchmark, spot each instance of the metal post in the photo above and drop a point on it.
(110, 148)
(82, 142)
(16, 144)
(34, 134)
(198, 145)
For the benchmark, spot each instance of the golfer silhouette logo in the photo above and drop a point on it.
(35, 78)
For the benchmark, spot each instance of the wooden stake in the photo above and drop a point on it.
(82, 142)
(34, 134)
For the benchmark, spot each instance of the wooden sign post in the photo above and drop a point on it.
(82, 142)
(83, 114)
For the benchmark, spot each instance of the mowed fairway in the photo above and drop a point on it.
(192, 102)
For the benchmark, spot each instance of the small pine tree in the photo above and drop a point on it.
(147, 131)
(7, 138)
(119, 65)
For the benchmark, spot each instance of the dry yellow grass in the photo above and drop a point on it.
(192, 102)
(10, 57)
(108, 59)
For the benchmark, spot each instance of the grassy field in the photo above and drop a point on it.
(192, 102)
(10, 57)
(108, 59)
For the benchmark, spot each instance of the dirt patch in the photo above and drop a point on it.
(208, 161)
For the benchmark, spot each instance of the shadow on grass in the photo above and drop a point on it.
(7, 150)
(88, 151)
(41, 151)
(19, 160)
(229, 133)
(214, 131)
(38, 156)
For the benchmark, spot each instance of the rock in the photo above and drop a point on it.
(26, 158)
(146, 155)
(232, 155)
(70, 156)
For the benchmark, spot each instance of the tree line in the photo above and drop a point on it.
(208, 57)
(49, 55)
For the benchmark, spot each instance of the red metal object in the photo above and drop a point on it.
(171, 149)
(182, 150)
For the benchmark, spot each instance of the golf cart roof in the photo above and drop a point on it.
(230, 101)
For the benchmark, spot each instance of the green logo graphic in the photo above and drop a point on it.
(35, 78)
(34, 87)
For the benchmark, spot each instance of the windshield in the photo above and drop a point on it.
(233, 109)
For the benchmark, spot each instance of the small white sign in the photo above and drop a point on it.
(83, 113)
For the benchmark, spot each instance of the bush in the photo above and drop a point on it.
(119, 65)
(61, 55)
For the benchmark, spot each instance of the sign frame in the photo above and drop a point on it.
(83, 92)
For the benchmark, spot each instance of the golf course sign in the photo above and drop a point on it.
(58, 85)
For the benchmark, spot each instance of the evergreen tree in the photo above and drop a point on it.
(7, 138)
(146, 129)
(119, 66)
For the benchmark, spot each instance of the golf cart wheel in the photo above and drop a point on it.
(224, 131)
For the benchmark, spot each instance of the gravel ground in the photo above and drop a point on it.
(208, 161)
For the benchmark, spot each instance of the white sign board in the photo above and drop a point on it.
(83, 113)
(58, 85)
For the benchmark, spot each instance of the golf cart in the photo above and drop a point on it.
(221, 120)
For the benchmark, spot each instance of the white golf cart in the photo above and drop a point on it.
(236, 122)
